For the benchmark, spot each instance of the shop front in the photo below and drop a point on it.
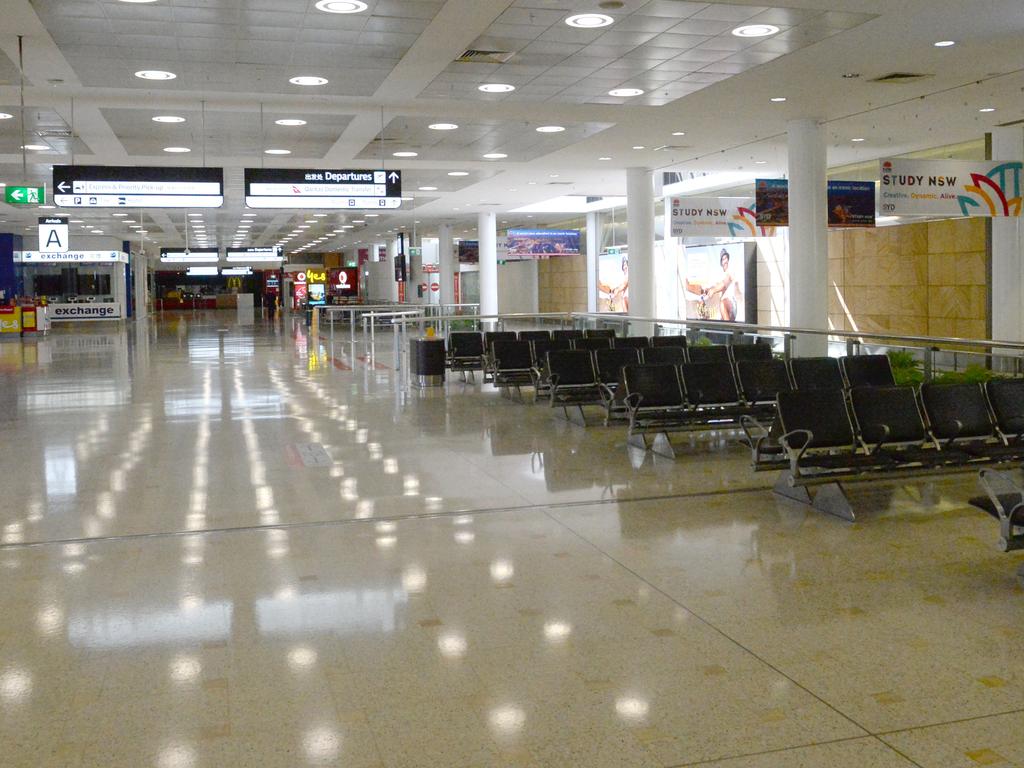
(77, 285)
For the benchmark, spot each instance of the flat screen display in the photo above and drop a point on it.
(469, 252)
(713, 282)
(542, 243)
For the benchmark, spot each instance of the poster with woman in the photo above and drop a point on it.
(613, 281)
(712, 282)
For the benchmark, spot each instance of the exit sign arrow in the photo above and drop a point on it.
(25, 195)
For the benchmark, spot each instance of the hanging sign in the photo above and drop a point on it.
(53, 234)
(950, 188)
(25, 195)
(73, 257)
(850, 204)
(322, 188)
(103, 186)
(715, 217)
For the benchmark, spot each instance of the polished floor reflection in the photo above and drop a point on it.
(240, 544)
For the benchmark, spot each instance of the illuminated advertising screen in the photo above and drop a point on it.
(344, 282)
(542, 243)
(715, 282)
(469, 252)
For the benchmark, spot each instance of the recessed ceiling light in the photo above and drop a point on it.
(35, 147)
(373, 215)
(168, 119)
(589, 20)
(6, 116)
(155, 74)
(496, 88)
(604, 158)
(626, 92)
(495, 156)
(442, 126)
(945, 43)
(458, 173)
(987, 109)
(778, 99)
(550, 129)
(405, 154)
(639, 146)
(308, 80)
(290, 121)
(760, 162)
(755, 30)
(858, 139)
(277, 151)
(428, 189)
(678, 133)
(177, 150)
(119, 215)
(341, 6)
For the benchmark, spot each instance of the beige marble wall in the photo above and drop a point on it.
(927, 279)
(562, 284)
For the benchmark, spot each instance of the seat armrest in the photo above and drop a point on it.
(871, 431)
(787, 441)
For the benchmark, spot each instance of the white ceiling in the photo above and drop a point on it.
(394, 65)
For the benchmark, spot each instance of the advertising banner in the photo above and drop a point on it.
(345, 282)
(950, 188)
(613, 281)
(850, 203)
(469, 251)
(715, 217)
(713, 282)
(542, 243)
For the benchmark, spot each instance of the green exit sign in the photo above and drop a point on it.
(25, 195)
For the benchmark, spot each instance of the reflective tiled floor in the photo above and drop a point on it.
(225, 544)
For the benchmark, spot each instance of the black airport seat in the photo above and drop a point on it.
(592, 343)
(567, 333)
(1007, 399)
(716, 353)
(667, 355)
(959, 417)
(599, 333)
(756, 351)
(610, 363)
(655, 400)
(635, 342)
(710, 385)
(817, 420)
(761, 380)
(534, 335)
(492, 336)
(669, 341)
(889, 419)
(816, 373)
(572, 378)
(465, 351)
(541, 347)
(512, 363)
(867, 371)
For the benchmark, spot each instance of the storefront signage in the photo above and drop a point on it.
(53, 234)
(714, 217)
(851, 204)
(271, 253)
(322, 188)
(950, 188)
(25, 195)
(78, 257)
(106, 311)
(315, 276)
(102, 186)
(345, 281)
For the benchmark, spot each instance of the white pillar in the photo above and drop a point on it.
(141, 278)
(640, 237)
(1007, 250)
(392, 250)
(808, 233)
(487, 234)
(447, 263)
(593, 250)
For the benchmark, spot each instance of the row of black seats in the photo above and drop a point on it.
(828, 435)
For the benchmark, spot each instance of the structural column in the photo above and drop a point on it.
(1007, 304)
(446, 264)
(487, 234)
(640, 237)
(808, 234)
(593, 251)
(140, 277)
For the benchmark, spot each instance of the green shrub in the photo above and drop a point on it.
(906, 368)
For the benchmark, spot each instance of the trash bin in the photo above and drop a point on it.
(426, 361)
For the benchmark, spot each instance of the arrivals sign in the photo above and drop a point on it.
(714, 217)
(950, 188)
(107, 186)
(322, 188)
(53, 234)
(851, 204)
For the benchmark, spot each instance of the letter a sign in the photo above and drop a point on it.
(53, 234)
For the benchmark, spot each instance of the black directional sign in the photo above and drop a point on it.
(322, 188)
(108, 186)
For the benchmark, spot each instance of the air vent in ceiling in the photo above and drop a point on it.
(473, 56)
(898, 78)
(560, 183)
(671, 147)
